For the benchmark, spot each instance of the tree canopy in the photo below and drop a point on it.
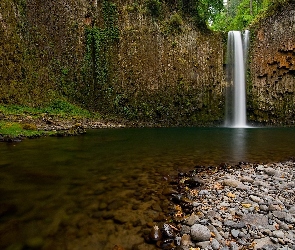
(238, 14)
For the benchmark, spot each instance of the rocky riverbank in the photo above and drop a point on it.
(249, 206)
(55, 126)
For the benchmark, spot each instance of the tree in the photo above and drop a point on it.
(203, 12)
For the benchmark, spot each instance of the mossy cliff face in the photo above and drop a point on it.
(113, 56)
(41, 49)
(272, 68)
(168, 70)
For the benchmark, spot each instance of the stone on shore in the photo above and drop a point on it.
(200, 232)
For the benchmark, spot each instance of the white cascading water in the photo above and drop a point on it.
(237, 53)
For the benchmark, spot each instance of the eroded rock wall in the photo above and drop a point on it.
(151, 73)
(272, 67)
(175, 76)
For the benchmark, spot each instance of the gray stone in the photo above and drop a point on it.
(269, 247)
(259, 243)
(185, 229)
(216, 233)
(259, 183)
(278, 234)
(215, 244)
(191, 220)
(255, 198)
(247, 179)
(271, 172)
(260, 168)
(255, 219)
(200, 233)
(263, 208)
(235, 233)
(233, 246)
(279, 214)
(232, 182)
(203, 244)
(289, 218)
(273, 207)
(204, 192)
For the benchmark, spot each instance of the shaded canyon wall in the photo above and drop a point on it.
(161, 69)
(271, 93)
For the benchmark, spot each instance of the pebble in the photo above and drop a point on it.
(246, 207)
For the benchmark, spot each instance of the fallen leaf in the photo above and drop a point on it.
(177, 207)
(218, 186)
(231, 195)
(246, 205)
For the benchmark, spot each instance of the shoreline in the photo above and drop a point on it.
(249, 206)
(54, 126)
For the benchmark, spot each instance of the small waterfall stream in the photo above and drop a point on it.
(237, 53)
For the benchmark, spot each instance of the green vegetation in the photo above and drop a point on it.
(154, 7)
(100, 46)
(20, 121)
(59, 108)
(239, 14)
(15, 129)
(173, 25)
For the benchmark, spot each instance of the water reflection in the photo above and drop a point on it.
(73, 191)
(238, 144)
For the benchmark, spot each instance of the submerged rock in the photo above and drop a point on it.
(155, 234)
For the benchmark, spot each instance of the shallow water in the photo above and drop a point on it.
(97, 190)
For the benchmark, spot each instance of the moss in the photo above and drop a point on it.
(154, 7)
(29, 126)
(14, 129)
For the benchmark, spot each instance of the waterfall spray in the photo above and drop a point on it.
(237, 53)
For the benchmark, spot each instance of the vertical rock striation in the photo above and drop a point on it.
(272, 68)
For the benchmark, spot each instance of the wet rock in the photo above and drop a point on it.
(168, 231)
(195, 181)
(167, 244)
(117, 247)
(169, 191)
(155, 234)
(7, 209)
(200, 233)
(35, 243)
(156, 207)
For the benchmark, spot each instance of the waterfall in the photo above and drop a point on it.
(237, 53)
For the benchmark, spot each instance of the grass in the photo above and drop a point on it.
(57, 109)
(14, 129)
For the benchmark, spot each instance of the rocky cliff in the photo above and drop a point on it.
(272, 67)
(114, 56)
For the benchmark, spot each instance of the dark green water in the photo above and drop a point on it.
(79, 192)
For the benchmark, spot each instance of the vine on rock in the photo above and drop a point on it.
(100, 43)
